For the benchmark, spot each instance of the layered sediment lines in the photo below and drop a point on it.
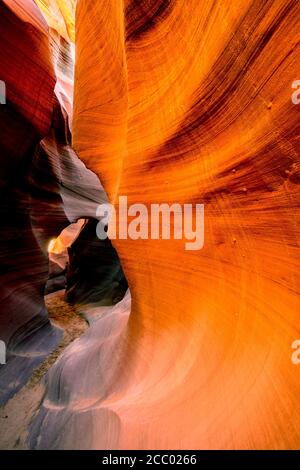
(44, 186)
(189, 102)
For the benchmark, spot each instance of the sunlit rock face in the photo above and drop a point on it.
(186, 102)
(190, 102)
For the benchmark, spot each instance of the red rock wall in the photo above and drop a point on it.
(191, 102)
(186, 102)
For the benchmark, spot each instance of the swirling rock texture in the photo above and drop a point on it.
(44, 185)
(188, 102)
(25, 119)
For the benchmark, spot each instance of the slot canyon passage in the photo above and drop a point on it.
(164, 102)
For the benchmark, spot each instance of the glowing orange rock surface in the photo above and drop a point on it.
(191, 102)
(187, 102)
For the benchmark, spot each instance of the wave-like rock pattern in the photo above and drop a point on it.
(24, 120)
(188, 102)
(44, 185)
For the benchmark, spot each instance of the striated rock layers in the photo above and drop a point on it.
(44, 186)
(184, 102)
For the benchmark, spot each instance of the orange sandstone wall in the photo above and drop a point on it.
(191, 102)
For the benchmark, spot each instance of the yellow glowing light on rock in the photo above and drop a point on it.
(51, 244)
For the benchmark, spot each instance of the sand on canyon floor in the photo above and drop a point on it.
(19, 411)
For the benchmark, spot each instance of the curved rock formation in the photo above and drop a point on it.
(25, 120)
(188, 102)
(44, 185)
